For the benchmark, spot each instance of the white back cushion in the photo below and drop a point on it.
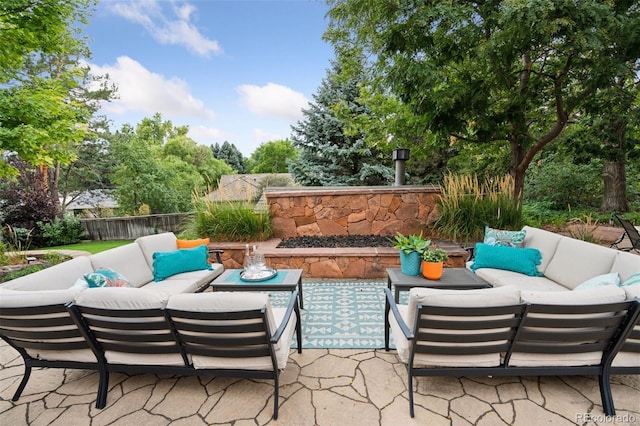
(150, 244)
(576, 261)
(545, 241)
(625, 264)
(58, 277)
(128, 260)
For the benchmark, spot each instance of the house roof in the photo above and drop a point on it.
(242, 187)
(92, 199)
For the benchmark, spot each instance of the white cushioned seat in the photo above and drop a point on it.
(501, 296)
(23, 299)
(232, 302)
(129, 298)
(501, 278)
(598, 295)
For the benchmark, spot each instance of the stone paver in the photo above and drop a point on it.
(319, 387)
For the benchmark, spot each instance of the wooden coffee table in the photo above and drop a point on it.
(285, 280)
(452, 279)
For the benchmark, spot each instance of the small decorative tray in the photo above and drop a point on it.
(261, 275)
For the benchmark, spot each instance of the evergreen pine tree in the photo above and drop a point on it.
(328, 157)
(230, 154)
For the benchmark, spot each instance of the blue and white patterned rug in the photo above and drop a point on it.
(342, 315)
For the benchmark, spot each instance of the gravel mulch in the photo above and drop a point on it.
(333, 241)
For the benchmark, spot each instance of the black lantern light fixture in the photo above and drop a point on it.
(400, 156)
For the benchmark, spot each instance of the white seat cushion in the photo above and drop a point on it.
(598, 295)
(501, 278)
(238, 301)
(503, 296)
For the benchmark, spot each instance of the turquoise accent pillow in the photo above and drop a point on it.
(634, 279)
(611, 278)
(105, 277)
(499, 237)
(168, 263)
(522, 260)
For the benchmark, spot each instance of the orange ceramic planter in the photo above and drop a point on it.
(432, 270)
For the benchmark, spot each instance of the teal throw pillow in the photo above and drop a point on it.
(522, 260)
(168, 263)
(611, 278)
(634, 279)
(499, 237)
(106, 277)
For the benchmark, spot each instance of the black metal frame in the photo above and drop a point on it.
(243, 334)
(522, 328)
(629, 231)
(42, 327)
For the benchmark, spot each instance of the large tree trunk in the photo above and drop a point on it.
(614, 197)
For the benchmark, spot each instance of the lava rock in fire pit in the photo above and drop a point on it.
(333, 241)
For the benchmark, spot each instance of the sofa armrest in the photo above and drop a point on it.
(472, 252)
(293, 304)
(396, 314)
(217, 252)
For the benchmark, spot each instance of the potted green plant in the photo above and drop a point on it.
(433, 259)
(411, 248)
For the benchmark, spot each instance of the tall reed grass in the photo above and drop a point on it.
(229, 220)
(468, 204)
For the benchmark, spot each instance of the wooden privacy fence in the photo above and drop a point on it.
(129, 228)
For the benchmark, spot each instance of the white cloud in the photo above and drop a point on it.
(273, 100)
(176, 29)
(261, 136)
(208, 135)
(140, 90)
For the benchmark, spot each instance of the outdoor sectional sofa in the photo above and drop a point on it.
(35, 321)
(561, 318)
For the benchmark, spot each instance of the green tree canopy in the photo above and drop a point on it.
(230, 154)
(272, 157)
(329, 155)
(40, 120)
(508, 73)
(159, 166)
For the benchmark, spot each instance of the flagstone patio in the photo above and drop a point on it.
(319, 387)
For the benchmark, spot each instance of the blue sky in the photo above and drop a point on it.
(235, 70)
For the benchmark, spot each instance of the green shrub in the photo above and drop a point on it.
(562, 184)
(467, 206)
(21, 273)
(230, 221)
(55, 257)
(4, 258)
(60, 232)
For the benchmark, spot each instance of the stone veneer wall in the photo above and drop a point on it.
(378, 210)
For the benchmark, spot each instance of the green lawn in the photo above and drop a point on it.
(92, 247)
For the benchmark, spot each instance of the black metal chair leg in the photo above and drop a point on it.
(103, 388)
(605, 393)
(275, 397)
(23, 383)
(411, 411)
